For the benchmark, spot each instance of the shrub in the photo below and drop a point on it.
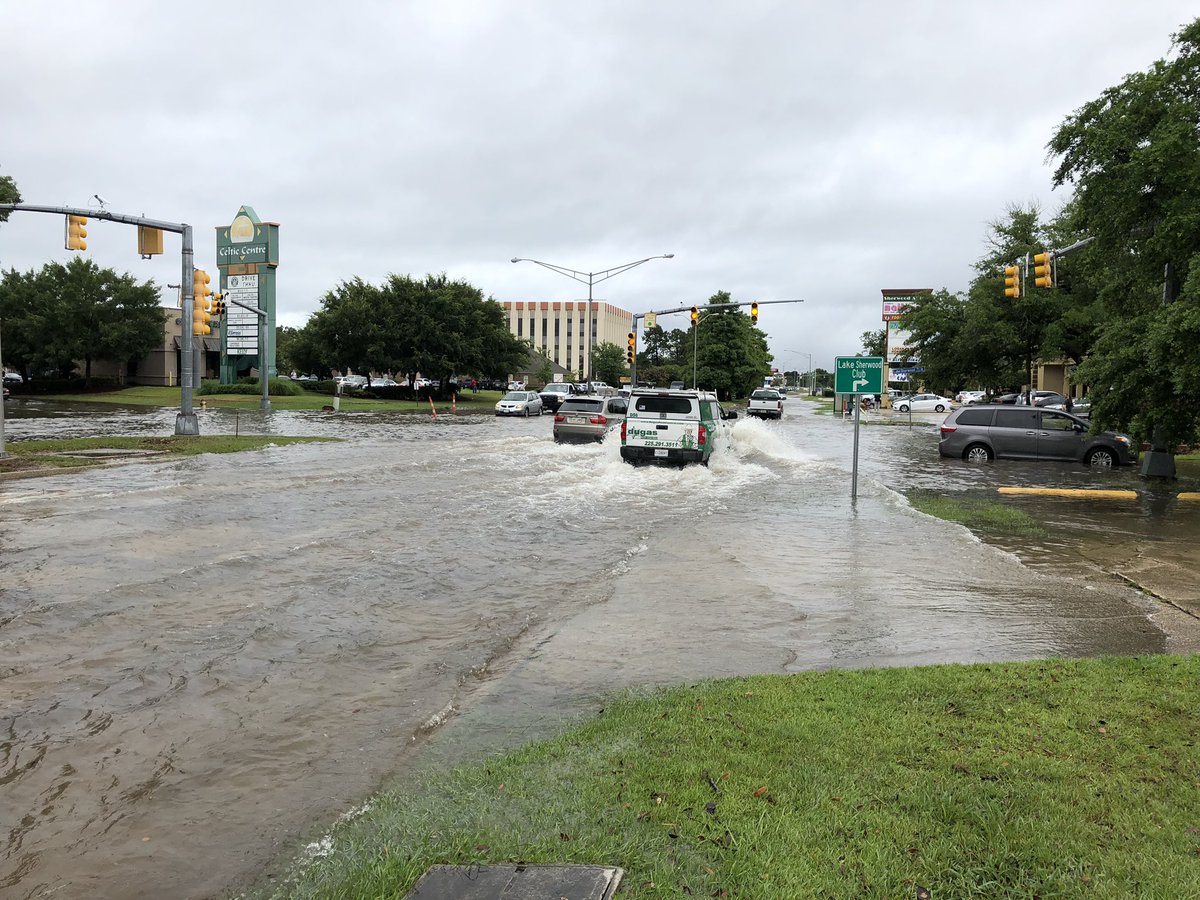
(280, 387)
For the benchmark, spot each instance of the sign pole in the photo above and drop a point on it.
(856, 376)
(854, 473)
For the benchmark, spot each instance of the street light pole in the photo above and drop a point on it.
(591, 279)
(812, 382)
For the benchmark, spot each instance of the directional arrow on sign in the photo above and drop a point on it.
(858, 382)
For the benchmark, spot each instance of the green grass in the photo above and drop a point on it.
(1063, 778)
(983, 516)
(170, 397)
(33, 457)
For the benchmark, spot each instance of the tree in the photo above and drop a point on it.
(434, 326)
(732, 355)
(65, 314)
(1134, 159)
(608, 363)
(984, 338)
(874, 343)
(8, 194)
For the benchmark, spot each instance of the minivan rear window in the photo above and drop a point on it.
(671, 405)
(974, 417)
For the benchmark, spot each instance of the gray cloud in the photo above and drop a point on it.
(780, 150)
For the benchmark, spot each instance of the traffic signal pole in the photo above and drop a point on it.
(185, 422)
(688, 309)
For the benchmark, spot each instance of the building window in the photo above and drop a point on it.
(556, 324)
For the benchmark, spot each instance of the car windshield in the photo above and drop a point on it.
(588, 406)
(556, 389)
(674, 405)
(515, 395)
(764, 395)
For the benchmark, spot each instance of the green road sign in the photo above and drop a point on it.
(858, 374)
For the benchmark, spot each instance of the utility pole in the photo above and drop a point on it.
(186, 422)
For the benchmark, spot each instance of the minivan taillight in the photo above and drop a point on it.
(949, 429)
(702, 437)
(598, 420)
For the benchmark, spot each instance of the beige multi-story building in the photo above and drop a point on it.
(558, 330)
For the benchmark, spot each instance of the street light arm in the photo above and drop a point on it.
(591, 277)
(617, 270)
(581, 277)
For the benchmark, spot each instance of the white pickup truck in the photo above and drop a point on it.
(672, 427)
(767, 403)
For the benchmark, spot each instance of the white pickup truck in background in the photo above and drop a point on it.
(766, 403)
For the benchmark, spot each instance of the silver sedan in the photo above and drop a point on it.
(519, 403)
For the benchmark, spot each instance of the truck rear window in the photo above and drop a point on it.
(672, 405)
(764, 395)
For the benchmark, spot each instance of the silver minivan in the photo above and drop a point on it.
(982, 433)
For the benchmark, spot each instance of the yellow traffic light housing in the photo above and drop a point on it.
(201, 304)
(632, 345)
(754, 312)
(150, 242)
(76, 232)
(695, 314)
(1043, 272)
(1012, 281)
(218, 306)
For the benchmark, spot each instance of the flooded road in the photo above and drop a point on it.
(204, 660)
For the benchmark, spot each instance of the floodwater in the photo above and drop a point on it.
(205, 660)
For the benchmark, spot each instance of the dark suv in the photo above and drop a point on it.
(980, 433)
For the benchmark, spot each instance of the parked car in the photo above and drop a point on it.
(1039, 398)
(1006, 399)
(968, 398)
(983, 433)
(516, 385)
(924, 403)
(519, 403)
(13, 377)
(588, 418)
(554, 394)
(384, 382)
(351, 381)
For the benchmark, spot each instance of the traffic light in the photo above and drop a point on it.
(218, 306)
(201, 305)
(632, 345)
(754, 312)
(1012, 281)
(76, 232)
(695, 314)
(1043, 276)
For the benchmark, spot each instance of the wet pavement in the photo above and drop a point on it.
(206, 660)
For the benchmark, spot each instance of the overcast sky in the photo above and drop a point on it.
(781, 150)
